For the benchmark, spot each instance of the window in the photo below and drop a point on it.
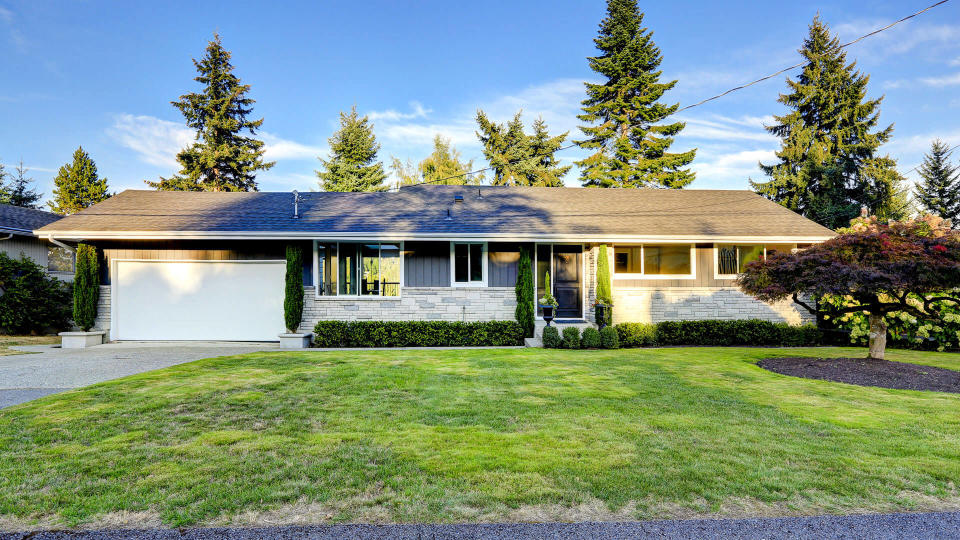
(670, 260)
(59, 259)
(358, 269)
(469, 264)
(733, 259)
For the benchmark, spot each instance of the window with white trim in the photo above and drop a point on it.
(468, 262)
(731, 259)
(653, 260)
(358, 269)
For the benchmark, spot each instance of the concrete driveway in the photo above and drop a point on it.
(50, 369)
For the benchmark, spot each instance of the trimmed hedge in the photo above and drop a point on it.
(590, 338)
(718, 333)
(551, 338)
(416, 334)
(609, 338)
(571, 337)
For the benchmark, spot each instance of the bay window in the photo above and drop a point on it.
(653, 260)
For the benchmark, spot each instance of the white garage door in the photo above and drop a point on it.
(198, 300)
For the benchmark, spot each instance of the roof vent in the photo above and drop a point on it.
(296, 205)
(449, 217)
(479, 194)
(458, 198)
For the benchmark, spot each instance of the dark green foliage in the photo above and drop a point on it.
(77, 185)
(443, 167)
(519, 159)
(293, 291)
(829, 163)
(604, 286)
(939, 188)
(717, 333)
(416, 334)
(32, 301)
(221, 159)
(86, 287)
(551, 338)
(18, 192)
(590, 338)
(353, 164)
(624, 112)
(609, 338)
(526, 311)
(571, 337)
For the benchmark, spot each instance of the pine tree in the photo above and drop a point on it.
(938, 191)
(353, 152)
(519, 159)
(4, 192)
(626, 130)
(19, 191)
(221, 159)
(441, 167)
(828, 164)
(77, 185)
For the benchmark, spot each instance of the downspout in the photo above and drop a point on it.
(58, 243)
(9, 236)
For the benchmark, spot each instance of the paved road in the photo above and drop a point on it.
(939, 525)
(24, 377)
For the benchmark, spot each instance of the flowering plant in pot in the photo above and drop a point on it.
(547, 302)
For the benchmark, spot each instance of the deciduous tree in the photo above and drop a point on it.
(442, 167)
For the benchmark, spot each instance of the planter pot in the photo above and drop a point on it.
(295, 341)
(601, 312)
(547, 313)
(81, 340)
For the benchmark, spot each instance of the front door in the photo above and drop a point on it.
(566, 281)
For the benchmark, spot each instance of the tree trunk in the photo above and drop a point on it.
(878, 336)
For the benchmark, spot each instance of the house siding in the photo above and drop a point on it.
(426, 264)
(35, 249)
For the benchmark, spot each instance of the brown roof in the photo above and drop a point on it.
(425, 211)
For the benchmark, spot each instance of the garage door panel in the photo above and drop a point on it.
(198, 300)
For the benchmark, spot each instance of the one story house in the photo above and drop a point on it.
(203, 265)
(18, 239)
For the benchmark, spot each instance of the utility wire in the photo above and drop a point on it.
(918, 166)
(707, 100)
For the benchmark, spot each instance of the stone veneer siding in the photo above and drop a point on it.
(414, 304)
(102, 322)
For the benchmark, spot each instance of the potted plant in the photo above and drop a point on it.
(293, 302)
(548, 303)
(86, 293)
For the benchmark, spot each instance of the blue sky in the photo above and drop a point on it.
(102, 74)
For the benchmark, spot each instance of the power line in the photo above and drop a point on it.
(918, 166)
(709, 99)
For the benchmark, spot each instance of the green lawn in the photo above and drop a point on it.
(477, 435)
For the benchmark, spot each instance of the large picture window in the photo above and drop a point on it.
(653, 260)
(358, 269)
(469, 262)
(732, 259)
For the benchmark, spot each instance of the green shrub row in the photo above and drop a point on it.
(30, 300)
(717, 333)
(572, 339)
(416, 334)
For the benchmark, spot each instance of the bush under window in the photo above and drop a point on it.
(417, 334)
(31, 301)
(717, 333)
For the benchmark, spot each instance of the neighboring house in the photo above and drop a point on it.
(193, 266)
(16, 237)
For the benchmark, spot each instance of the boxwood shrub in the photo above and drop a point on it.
(714, 332)
(416, 333)
(551, 338)
(590, 338)
(571, 337)
(609, 339)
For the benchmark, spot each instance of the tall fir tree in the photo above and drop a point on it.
(627, 130)
(77, 185)
(828, 163)
(222, 158)
(19, 191)
(519, 159)
(938, 190)
(353, 164)
(442, 167)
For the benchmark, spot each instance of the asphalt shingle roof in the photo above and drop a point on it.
(22, 221)
(423, 210)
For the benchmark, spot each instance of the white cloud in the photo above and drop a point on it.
(417, 111)
(724, 128)
(955, 61)
(730, 170)
(158, 141)
(947, 80)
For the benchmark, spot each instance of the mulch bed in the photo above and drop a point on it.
(864, 372)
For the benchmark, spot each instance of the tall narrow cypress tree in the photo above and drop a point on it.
(77, 185)
(293, 289)
(86, 287)
(625, 116)
(525, 311)
(221, 159)
(353, 164)
(938, 191)
(829, 163)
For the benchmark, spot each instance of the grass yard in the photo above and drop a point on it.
(8, 341)
(441, 436)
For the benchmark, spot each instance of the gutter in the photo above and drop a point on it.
(58, 243)
(9, 236)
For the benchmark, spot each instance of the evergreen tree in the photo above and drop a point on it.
(77, 185)
(443, 163)
(19, 192)
(221, 159)
(828, 159)
(938, 191)
(353, 152)
(4, 192)
(626, 130)
(519, 159)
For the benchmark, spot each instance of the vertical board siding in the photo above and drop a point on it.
(34, 248)
(426, 264)
(503, 264)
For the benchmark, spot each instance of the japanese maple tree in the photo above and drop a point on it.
(907, 266)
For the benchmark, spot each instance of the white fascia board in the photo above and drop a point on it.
(504, 237)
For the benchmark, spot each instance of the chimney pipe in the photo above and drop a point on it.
(296, 205)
